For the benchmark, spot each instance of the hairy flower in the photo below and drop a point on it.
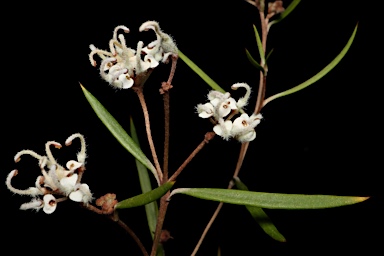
(121, 65)
(221, 105)
(55, 180)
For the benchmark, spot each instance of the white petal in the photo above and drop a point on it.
(224, 109)
(249, 136)
(218, 130)
(240, 123)
(73, 165)
(223, 129)
(205, 110)
(255, 119)
(127, 82)
(215, 101)
(232, 103)
(49, 204)
(151, 60)
(82, 194)
(68, 183)
(87, 195)
(76, 196)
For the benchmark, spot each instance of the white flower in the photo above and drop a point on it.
(244, 127)
(220, 105)
(206, 110)
(49, 204)
(57, 180)
(163, 46)
(77, 192)
(121, 65)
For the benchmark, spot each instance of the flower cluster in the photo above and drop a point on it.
(56, 183)
(121, 66)
(222, 105)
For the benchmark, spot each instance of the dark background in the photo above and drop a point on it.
(323, 140)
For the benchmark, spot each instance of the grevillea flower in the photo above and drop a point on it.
(121, 65)
(221, 105)
(56, 183)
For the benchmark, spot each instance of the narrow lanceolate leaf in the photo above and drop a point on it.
(118, 132)
(201, 73)
(285, 13)
(145, 198)
(151, 209)
(319, 75)
(259, 46)
(269, 55)
(261, 217)
(269, 200)
(253, 61)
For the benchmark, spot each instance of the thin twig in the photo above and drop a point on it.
(114, 217)
(160, 221)
(208, 136)
(261, 93)
(132, 234)
(240, 160)
(165, 91)
(197, 247)
(139, 92)
(166, 136)
(163, 201)
(173, 69)
(263, 78)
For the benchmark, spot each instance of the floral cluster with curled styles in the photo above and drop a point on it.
(56, 183)
(222, 105)
(122, 66)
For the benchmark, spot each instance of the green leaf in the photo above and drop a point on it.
(269, 200)
(145, 198)
(253, 61)
(319, 75)
(151, 209)
(285, 13)
(118, 132)
(269, 55)
(261, 217)
(201, 73)
(259, 45)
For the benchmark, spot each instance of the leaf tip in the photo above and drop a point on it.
(361, 199)
(82, 87)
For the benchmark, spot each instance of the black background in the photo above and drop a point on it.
(323, 140)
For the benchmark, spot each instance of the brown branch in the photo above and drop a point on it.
(112, 215)
(263, 78)
(240, 160)
(208, 136)
(139, 92)
(160, 221)
(132, 234)
(166, 135)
